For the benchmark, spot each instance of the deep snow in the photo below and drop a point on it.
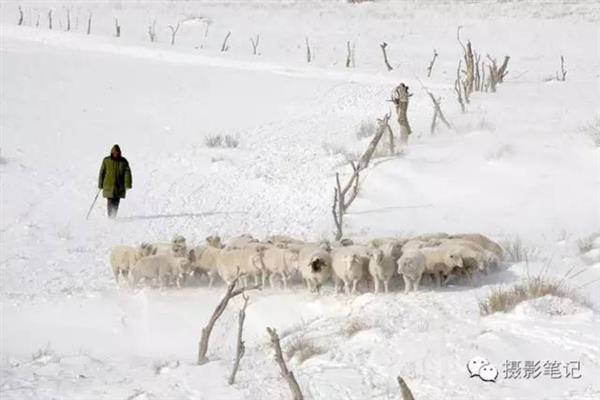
(517, 163)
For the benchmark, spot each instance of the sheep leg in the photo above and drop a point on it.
(438, 279)
(470, 277)
(256, 278)
(337, 286)
(416, 283)
(376, 283)
(271, 281)
(354, 286)
(386, 285)
(211, 280)
(284, 280)
(407, 284)
(446, 280)
(264, 280)
(346, 286)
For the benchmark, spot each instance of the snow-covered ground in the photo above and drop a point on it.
(518, 163)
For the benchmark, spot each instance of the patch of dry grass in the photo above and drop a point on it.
(505, 299)
(302, 348)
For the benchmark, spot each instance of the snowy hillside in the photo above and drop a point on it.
(519, 163)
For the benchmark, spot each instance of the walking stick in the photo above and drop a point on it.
(94, 202)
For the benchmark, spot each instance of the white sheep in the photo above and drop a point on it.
(214, 241)
(122, 258)
(176, 248)
(241, 241)
(482, 241)
(441, 260)
(234, 262)
(478, 258)
(160, 268)
(381, 268)
(282, 239)
(411, 266)
(279, 261)
(203, 259)
(314, 264)
(349, 263)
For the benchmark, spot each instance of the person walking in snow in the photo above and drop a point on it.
(114, 179)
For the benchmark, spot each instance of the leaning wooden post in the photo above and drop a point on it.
(241, 348)
(285, 372)
(229, 294)
(400, 97)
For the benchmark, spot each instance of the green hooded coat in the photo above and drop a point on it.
(114, 178)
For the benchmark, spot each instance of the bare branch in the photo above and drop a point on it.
(563, 72)
(152, 31)
(497, 74)
(354, 193)
(437, 110)
(241, 348)
(349, 55)
(502, 72)
(68, 19)
(337, 217)
(174, 30)
(308, 52)
(430, 68)
(469, 70)
(458, 38)
(89, 24)
(287, 374)
(20, 22)
(365, 159)
(229, 294)
(458, 88)
(224, 46)
(385, 57)
(255, 43)
(400, 97)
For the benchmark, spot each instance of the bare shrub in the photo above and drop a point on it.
(366, 129)
(302, 348)
(592, 129)
(226, 141)
(44, 356)
(504, 299)
(515, 251)
(587, 243)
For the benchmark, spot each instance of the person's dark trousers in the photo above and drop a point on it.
(113, 207)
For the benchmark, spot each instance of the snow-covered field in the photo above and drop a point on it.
(519, 162)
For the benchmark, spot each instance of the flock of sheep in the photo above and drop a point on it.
(438, 255)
